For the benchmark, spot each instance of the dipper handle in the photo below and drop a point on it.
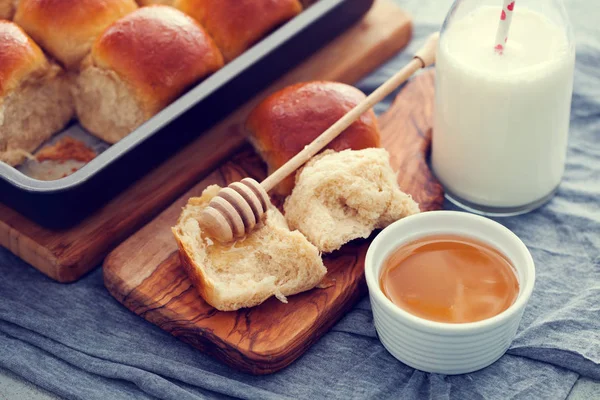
(424, 57)
(236, 209)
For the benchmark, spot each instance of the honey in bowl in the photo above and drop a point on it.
(450, 279)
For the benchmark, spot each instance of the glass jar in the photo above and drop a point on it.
(502, 118)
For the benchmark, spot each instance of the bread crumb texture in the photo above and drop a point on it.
(341, 196)
(65, 149)
(270, 261)
(32, 113)
(106, 105)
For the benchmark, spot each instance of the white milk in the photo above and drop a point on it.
(501, 121)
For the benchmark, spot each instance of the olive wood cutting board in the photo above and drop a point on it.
(144, 273)
(66, 255)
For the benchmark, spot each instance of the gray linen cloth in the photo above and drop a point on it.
(77, 341)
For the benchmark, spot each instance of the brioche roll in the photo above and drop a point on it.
(66, 29)
(235, 25)
(35, 101)
(286, 121)
(138, 66)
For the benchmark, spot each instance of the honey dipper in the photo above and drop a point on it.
(236, 209)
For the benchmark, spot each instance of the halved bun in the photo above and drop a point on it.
(270, 261)
(344, 196)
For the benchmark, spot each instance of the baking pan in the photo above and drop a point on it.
(63, 202)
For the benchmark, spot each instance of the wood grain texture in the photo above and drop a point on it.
(408, 136)
(68, 254)
(144, 273)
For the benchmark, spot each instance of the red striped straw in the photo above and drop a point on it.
(504, 25)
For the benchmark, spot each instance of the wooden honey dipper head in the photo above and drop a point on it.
(239, 207)
(235, 210)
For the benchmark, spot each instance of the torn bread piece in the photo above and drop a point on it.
(270, 261)
(343, 196)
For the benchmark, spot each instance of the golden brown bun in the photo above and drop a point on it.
(138, 66)
(158, 50)
(20, 57)
(7, 8)
(286, 121)
(235, 25)
(35, 101)
(67, 28)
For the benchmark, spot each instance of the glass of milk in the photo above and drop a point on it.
(502, 120)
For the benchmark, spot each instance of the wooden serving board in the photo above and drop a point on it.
(68, 254)
(144, 273)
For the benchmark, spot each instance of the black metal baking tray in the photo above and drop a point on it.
(63, 202)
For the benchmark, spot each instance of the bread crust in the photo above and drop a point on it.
(67, 29)
(7, 9)
(20, 58)
(159, 52)
(286, 121)
(235, 25)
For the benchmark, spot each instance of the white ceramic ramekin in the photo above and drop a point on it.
(443, 347)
